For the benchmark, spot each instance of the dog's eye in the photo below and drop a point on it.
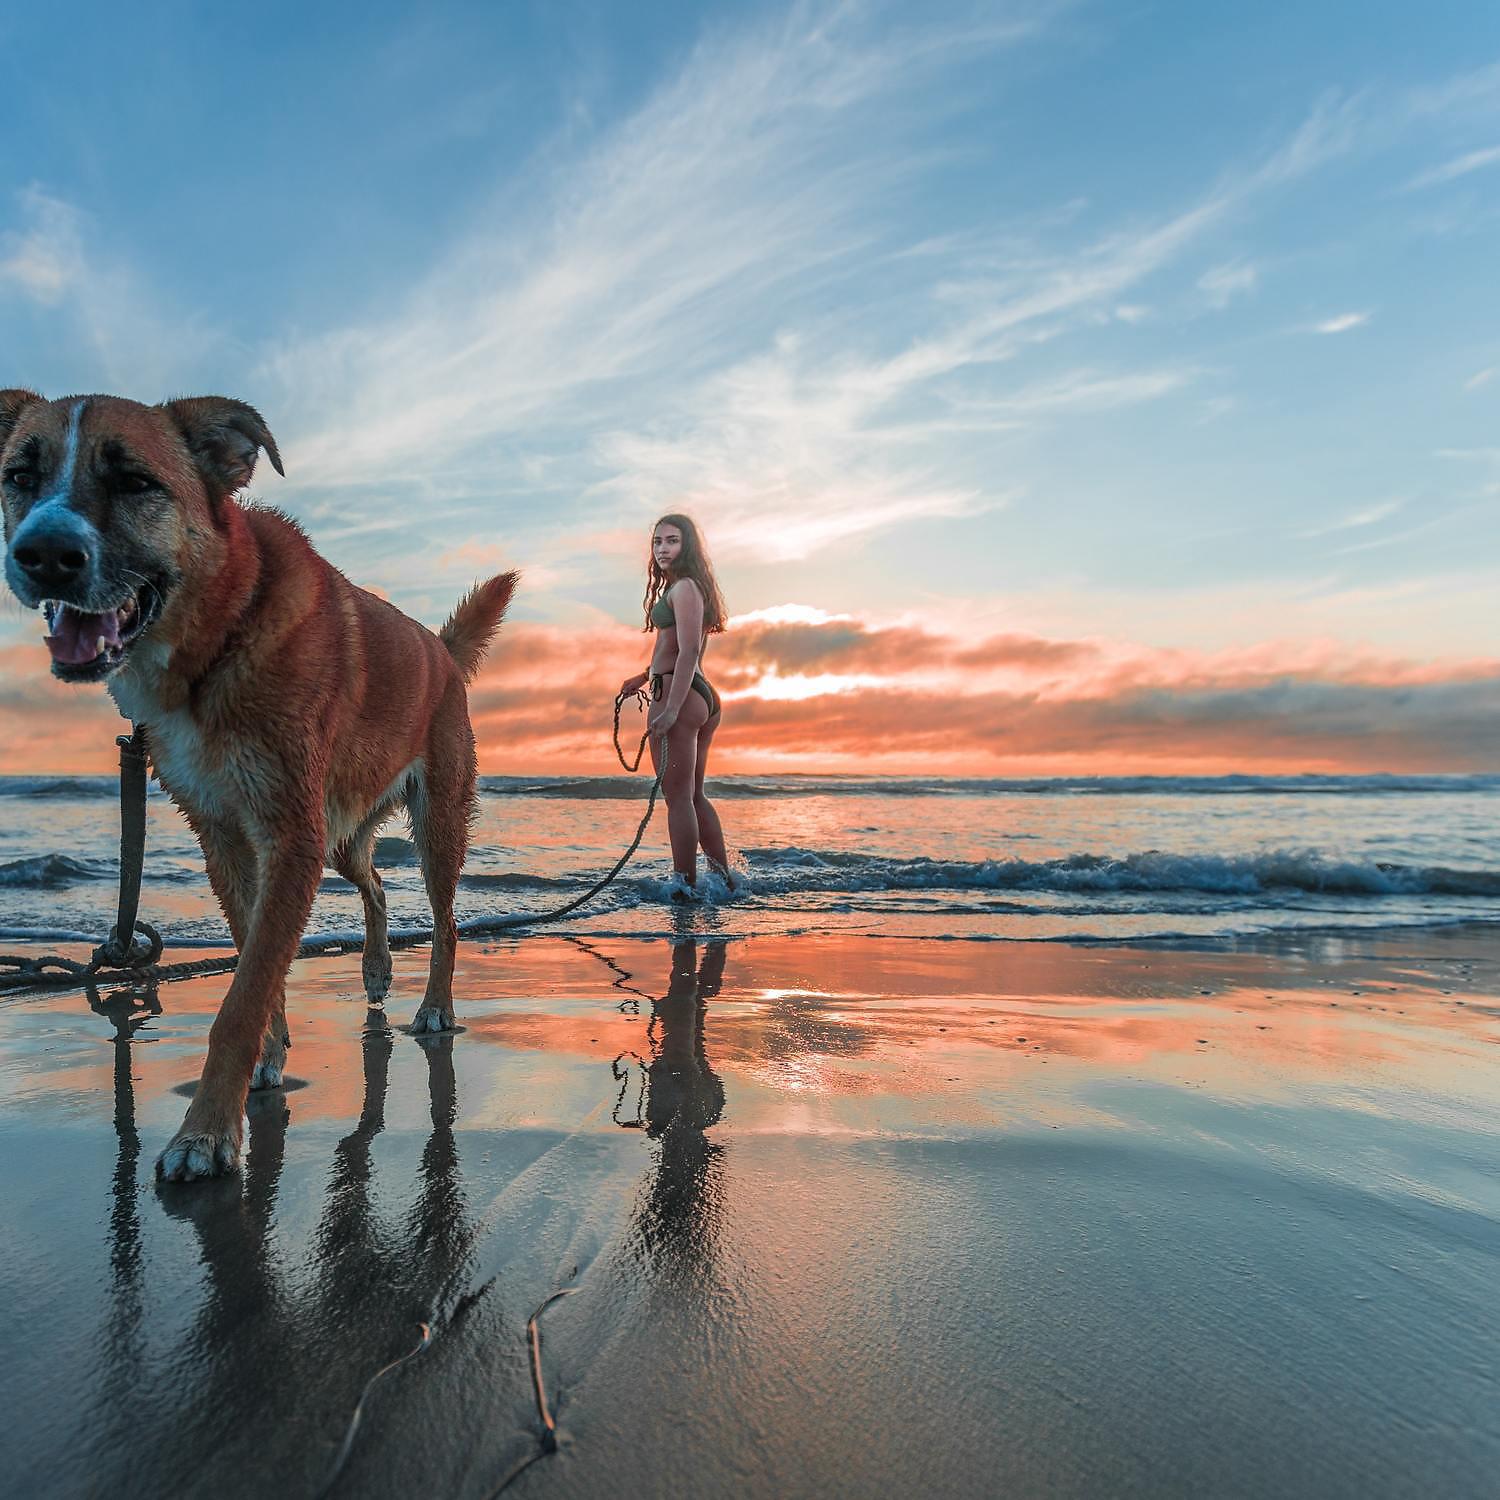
(24, 480)
(135, 484)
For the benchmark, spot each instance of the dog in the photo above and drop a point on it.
(288, 713)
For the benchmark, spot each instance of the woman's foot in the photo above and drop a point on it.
(680, 888)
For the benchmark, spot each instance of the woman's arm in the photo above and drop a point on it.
(636, 683)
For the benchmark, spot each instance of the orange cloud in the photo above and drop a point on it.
(848, 694)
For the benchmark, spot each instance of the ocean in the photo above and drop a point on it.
(1082, 859)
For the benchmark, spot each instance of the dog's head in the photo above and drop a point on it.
(109, 505)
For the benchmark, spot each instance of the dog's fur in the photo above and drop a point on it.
(288, 713)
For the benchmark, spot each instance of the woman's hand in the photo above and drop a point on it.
(661, 719)
(633, 684)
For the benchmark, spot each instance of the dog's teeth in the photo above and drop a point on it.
(99, 646)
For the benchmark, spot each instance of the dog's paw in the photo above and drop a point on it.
(377, 971)
(267, 1075)
(431, 1020)
(270, 1071)
(191, 1157)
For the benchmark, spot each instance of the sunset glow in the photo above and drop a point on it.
(1138, 449)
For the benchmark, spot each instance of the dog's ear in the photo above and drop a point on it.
(12, 404)
(225, 437)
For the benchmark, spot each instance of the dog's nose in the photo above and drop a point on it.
(52, 558)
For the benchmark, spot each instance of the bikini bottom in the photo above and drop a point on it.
(701, 685)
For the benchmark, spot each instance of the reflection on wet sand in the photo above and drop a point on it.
(890, 1020)
(993, 1162)
(681, 1097)
(266, 1336)
(127, 1010)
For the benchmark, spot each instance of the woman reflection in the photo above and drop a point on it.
(683, 1096)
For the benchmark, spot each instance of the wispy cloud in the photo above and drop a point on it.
(1342, 323)
(1460, 166)
(1480, 378)
(1391, 539)
(642, 261)
(116, 330)
(1084, 390)
(652, 318)
(44, 259)
(1222, 284)
(1477, 91)
(787, 437)
(1366, 516)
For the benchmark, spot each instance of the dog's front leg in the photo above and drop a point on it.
(209, 1141)
(232, 867)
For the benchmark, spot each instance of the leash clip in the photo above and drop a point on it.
(143, 949)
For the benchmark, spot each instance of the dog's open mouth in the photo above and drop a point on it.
(86, 646)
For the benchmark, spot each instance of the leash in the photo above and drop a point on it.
(132, 946)
(644, 701)
(122, 948)
(136, 963)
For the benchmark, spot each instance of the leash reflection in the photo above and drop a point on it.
(127, 1010)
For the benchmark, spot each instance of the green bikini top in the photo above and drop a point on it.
(663, 616)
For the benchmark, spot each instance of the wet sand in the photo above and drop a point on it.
(838, 1216)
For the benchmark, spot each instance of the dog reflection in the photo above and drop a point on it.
(266, 1326)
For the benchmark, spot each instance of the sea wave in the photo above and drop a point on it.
(576, 789)
(484, 880)
(49, 872)
(1152, 870)
(80, 788)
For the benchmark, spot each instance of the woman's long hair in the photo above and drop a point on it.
(692, 562)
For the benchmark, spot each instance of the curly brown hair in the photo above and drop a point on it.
(692, 562)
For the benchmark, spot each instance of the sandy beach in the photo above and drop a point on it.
(840, 1215)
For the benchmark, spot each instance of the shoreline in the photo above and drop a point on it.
(1286, 941)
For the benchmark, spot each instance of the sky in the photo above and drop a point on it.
(1087, 388)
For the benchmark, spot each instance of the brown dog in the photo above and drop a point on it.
(288, 713)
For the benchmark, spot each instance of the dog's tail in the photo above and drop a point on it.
(478, 616)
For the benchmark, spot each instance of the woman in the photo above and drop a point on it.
(684, 607)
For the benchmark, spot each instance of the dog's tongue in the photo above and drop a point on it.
(75, 637)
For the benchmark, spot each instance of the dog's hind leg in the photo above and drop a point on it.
(441, 801)
(233, 874)
(353, 861)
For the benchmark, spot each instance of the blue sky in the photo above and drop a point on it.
(1167, 323)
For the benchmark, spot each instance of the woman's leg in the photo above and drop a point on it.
(710, 834)
(677, 785)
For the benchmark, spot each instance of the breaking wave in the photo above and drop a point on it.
(1150, 871)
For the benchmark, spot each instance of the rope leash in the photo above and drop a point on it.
(643, 700)
(136, 963)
